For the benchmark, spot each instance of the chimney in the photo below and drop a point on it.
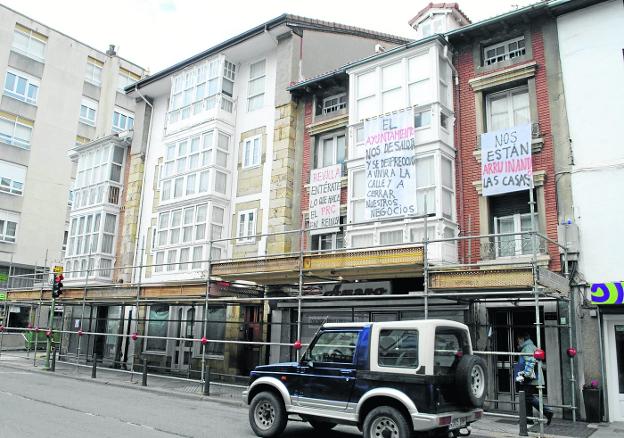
(111, 50)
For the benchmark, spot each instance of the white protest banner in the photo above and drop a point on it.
(390, 165)
(325, 197)
(506, 160)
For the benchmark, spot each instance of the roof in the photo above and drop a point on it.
(430, 6)
(284, 19)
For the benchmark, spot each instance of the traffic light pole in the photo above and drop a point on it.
(51, 328)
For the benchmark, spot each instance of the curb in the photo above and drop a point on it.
(153, 390)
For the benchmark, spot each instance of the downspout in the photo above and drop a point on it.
(149, 141)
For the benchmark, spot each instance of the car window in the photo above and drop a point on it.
(333, 346)
(398, 348)
(450, 346)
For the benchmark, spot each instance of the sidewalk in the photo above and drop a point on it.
(488, 427)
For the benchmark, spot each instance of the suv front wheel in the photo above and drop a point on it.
(386, 422)
(267, 415)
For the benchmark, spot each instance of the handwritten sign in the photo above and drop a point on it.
(506, 160)
(390, 165)
(324, 202)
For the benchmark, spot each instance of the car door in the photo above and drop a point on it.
(328, 371)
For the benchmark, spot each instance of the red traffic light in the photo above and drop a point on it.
(571, 351)
(539, 354)
(204, 341)
(134, 336)
(297, 345)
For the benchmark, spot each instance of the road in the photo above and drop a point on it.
(38, 405)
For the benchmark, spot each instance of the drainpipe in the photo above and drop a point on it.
(149, 138)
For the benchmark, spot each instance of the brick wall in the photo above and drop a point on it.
(468, 168)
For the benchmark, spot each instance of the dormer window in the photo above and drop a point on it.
(334, 103)
(433, 24)
(509, 49)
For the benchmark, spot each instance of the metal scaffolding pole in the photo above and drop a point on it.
(300, 293)
(6, 308)
(571, 313)
(136, 316)
(84, 302)
(45, 265)
(207, 296)
(426, 265)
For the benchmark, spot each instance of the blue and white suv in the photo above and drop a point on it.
(387, 378)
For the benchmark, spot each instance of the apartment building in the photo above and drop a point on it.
(57, 93)
(222, 170)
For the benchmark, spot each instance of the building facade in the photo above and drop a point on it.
(57, 93)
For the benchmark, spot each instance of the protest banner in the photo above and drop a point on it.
(324, 201)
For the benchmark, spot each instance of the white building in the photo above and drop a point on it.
(591, 42)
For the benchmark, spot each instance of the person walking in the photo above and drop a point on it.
(528, 377)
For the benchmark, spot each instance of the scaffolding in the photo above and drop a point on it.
(246, 290)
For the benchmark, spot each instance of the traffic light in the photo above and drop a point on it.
(57, 286)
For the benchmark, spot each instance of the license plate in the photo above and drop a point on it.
(458, 423)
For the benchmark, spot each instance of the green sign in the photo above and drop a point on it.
(2, 296)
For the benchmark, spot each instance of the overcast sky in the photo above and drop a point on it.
(158, 33)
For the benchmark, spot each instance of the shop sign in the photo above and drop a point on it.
(390, 165)
(506, 160)
(364, 288)
(324, 202)
(607, 293)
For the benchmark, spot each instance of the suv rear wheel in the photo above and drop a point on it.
(267, 415)
(470, 380)
(386, 422)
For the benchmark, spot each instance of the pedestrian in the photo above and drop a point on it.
(528, 376)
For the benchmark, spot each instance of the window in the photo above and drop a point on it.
(425, 185)
(93, 73)
(394, 237)
(29, 42)
(444, 121)
(418, 79)
(448, 199)
(509, 246)
(333, 347)
(507, 109)
(216, 229)
(157, 325)
(398, 348)
(246, 226)
(502, 51)
(422, 119)
(21, 86)
(252, 148)
(358, 193)
(8, 226)
(334, 103)
(229, 76)
(450, 346)
(125, 78)
(88, 111)
(15, 130)
(84, 235)
(444, 74)
(330, 150)
(391, 90)
(328, 241)
(255, 86)
(361, 240)
(122, 121)
(12, 177)
(365, 94)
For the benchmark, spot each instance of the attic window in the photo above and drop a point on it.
(503, 51)
(334, 103)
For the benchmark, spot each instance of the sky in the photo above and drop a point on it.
(158, 33)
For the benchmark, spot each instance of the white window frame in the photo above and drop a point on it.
(259, 95)
(340, 103)
(356, 200)
(421, 191)
(93, 71)
(11, 138)
(129, 118)
(509, 93)
(31, 83)
(518, 240)
(334, 239)
(7, 217)
(319, 150)
(251, 155)
(31, 35)
(248, 226)
(126, 77)
(88, 104)
(506, 53)
(12, 178)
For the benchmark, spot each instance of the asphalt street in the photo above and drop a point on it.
(40, 405)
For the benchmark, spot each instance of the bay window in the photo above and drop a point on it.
(391, 91)
(357, 188)
(365, 94)
(425, 185)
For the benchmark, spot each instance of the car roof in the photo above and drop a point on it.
(416, 323)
